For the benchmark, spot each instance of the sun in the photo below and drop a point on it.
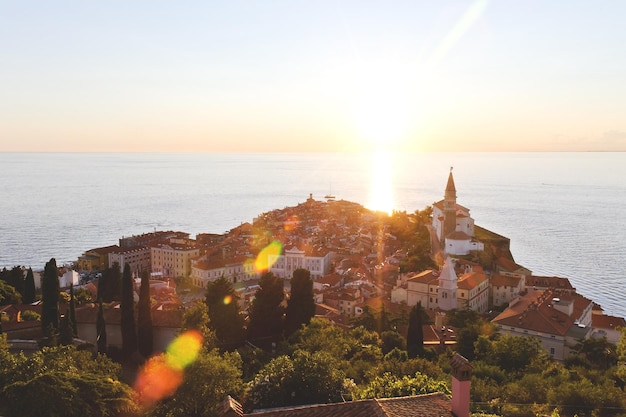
(382, 115)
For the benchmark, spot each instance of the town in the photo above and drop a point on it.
(360, 264)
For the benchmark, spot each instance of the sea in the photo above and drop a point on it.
(563, 212)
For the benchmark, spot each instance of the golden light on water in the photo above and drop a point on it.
(268, 255)
(162, 374)
(381, 191)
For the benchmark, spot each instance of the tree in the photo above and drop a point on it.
(392, 339)
(197, 318)
(219, 375)
(29, 287)
(101, 332)
(110, 284)
(266, 313)
(127, 309)
(72, 313)
(224, 316)
(389, 385)
(50, 297)
(301, 304)
(304, 378)
(8, 294)
(415, 332)
(144, 318)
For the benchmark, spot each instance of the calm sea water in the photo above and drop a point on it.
(564, 212)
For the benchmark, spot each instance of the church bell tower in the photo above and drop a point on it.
(449, 207)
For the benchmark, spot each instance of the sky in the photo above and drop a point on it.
(312, 76)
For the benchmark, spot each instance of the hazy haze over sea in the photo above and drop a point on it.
(562, 211)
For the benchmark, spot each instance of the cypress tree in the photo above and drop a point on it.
(101, 332)
(301, 304)
(224, 316)
(50, 298)
(144, 318)
(415, 332)
(266, 315)
(72, 312)
(29, 287)
(127, 307)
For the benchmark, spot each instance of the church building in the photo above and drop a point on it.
(453, 224)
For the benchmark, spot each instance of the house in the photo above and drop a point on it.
(558, 319)
(137, 258)
(96, 259)
(173, 259)
(427, 405)
(316, 261)
(607, 326)
(166, 325)
(505, 288)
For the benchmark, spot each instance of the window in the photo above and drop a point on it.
(552, 351)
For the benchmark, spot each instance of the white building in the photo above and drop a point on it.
(317, 262)
(453, 224)
(234, 270)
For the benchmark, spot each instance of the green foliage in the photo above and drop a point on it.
(301, 304)
(30, 315)
(101, 333)
(83, 295)
(145, 338)
(415, 332)
(411, 233)
(388, 385)
(304, 378)
(29, 287)
(60, 393)
(266, 313)
(50, 297)
(225, 318)
(391, 340)
(197, 318)
(127, 321)
(110, 284)
(206, 383)
(61, 381)
(72, 312)
(9, 295)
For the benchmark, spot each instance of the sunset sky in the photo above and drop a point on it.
(274, 76)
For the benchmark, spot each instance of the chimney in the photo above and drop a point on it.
(461, 376)
(230, 408)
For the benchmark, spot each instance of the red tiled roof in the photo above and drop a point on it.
(471, 280)
(548, 282)
(428, 405)
(504, 280)
(602, 321)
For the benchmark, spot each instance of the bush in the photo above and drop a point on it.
(30, 315)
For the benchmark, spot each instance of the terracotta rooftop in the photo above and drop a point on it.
(536, 311)
(471, 280)
(428, 405)
(548, 282)
(602, 321)
(504, 280)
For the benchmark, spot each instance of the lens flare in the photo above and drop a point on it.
(162, 374)
(184, 350)
(157, 380)
(291, 223)
(268, 256)
(228, 299)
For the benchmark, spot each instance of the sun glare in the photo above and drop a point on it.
(381, 194)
